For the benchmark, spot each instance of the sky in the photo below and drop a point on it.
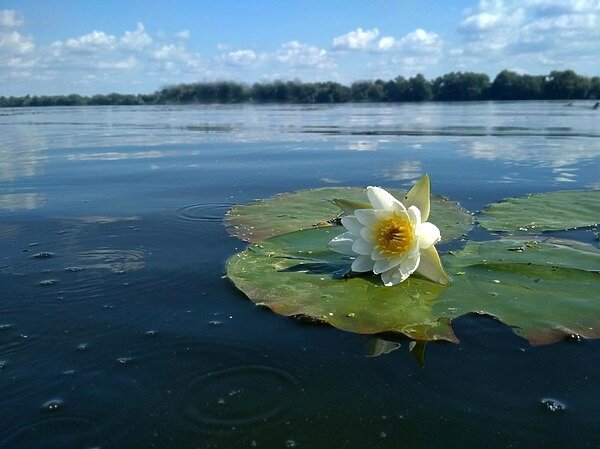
(139, 46)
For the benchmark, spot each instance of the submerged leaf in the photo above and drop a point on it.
(417, 350)
(379, 346)
(552, 211)
(306, 209)
(544, 291)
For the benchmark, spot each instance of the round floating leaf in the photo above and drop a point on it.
(305, 209)
(545, 290)
(553, 211)
(295, 274)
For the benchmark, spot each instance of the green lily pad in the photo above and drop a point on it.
(306, 209)
(296, 275)
(553, 211)
(544, 291)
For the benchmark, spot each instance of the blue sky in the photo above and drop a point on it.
(137, 46)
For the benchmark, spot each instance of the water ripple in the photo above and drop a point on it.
(214, 211)
(240, 396)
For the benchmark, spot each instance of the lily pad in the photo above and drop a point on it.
(553, 211)
(306, 209)
(544, 291)
(296, 275)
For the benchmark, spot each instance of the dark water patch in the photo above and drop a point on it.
(58, 432)
(240, 396)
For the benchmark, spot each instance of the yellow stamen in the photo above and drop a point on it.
(394, 235)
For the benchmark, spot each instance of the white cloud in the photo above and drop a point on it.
(137, 39)
(416, 42)
(92, 59)
(356, 40)
(241, 57)
(174, 56)
(547, 32)
(10, 19)
(296, 54)
(386, 43)
(88, 43)
(420, 41)
(124, 64)
(134, 49)
(14, 43)
(183, 34)
(15, 48)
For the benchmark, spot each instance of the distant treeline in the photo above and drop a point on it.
(455, 86)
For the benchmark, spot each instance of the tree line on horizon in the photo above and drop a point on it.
(454, 86)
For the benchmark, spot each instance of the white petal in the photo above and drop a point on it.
(431, 268)
(362, 264)
(366, 216)
(381, 199)
(351, 223)
(360, 246)
(382, 265)
(343, 244)
(419, 196)
(414, 215)
(429, 234)
(367, 234)
(392, 277)
(377, 255)
(410, 264)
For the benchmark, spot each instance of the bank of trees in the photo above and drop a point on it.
(454, 86)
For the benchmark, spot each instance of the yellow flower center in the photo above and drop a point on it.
(394, 235)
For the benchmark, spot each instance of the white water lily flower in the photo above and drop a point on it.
(392, 239)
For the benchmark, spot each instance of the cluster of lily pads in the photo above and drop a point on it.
(544, 288)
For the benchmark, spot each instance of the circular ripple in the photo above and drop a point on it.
(240, 396)
(59, 432)
(203, 212)
(115, 260)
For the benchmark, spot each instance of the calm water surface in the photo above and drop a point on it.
(118, 330)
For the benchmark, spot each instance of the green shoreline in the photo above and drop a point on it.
(454, 86)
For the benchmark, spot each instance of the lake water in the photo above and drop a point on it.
(118, 329)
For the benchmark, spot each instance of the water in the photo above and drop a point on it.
(117, 328)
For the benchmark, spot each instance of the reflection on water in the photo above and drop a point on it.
(106, 219)
(363, 145)
(117, 328)
(14, 201)
(528, 132)
(542, 153)
(404, 171)
(114, 156)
